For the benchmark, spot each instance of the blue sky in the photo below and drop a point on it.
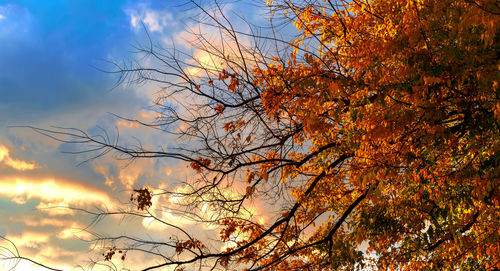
(49, 51)
(50, 55)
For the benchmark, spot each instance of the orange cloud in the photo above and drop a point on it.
(104, 170)
(15, 163)
(52, 193)
(30, 239)
(204, 61)
(129, 174)
(160, 208)
(213, 52)
(148, 115)
(128, 124)
(75, 231)
(33, 221)
(34, 246)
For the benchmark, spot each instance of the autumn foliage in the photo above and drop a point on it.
(399, 104)
(373, 137)
(396, 105)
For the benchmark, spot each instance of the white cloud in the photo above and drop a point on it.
(154, 20)
(3, 11)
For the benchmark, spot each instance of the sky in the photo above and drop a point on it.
(52, 54)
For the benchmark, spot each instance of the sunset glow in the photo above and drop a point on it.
(249, 135)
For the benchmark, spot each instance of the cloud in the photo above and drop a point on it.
(204, 61)
(142, 116)
(167, 218)
(105, 171)
(213, 45)
(74, 231)
(124, 174)
(30, 239)
(131, 173)
(6, 10)
(36, 246)
(154, 20)
(15, 163)
(52, 193)
(128, 124)
(33, 221)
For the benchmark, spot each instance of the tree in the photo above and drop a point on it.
(376, 129)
